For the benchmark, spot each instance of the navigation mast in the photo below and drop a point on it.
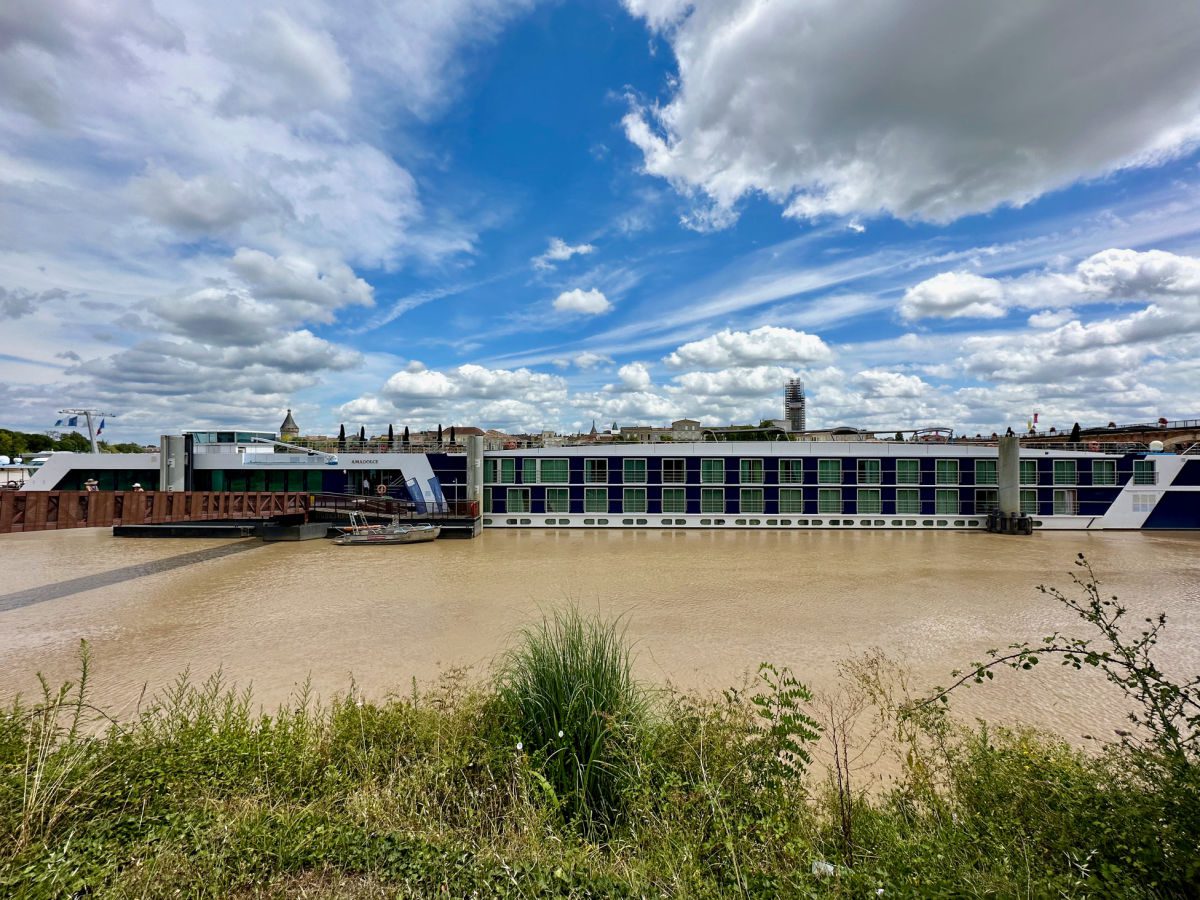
(90, 415)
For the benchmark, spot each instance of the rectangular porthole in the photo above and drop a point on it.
(785, 521)
(897, 521)
(910, 522)
(589, 521)
(706, 521)
(739, 521)
(772, 521)
(627, 521)
(510, 521)
(681, 521)
(602, 521)
(641, 521)
(666, 521)
(487, 521)
(526, 521)
(756, 521)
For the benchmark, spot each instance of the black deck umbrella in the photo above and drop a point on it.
(342, 438)
(391, 437)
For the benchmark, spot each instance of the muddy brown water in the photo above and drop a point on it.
(703, 608)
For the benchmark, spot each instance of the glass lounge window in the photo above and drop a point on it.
(751, 471)
(595, 500)
(752, 500)
(712, 500)
(945, 502)
(791, 500)
(555, 471)
(558, 500)
(868, 471)
(829, 471)
(1029, 503)
(791, 471)
(712, 471)
(869, 502)
(1064, 471)
(986, 501)
(1029, 471)
(500, 471)
(947, 471)
(985, 471)
(595, 471)
(529, 470)
(634, 500)
(674, 500)
(908, 500)
(908, 471)
(1066, 503)
(1143, 472)
(829, 500)
(634, 471)
(518, 500)
(1104, 471)
(674, 471)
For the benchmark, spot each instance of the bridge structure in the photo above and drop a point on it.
(23, 511)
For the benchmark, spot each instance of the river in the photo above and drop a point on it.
(703, 608)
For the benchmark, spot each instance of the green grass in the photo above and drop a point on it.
(427, 795)
(567, 695)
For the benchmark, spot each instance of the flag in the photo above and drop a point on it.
(59, 422)
(73, 422)
(1035, 415)
(100, 430)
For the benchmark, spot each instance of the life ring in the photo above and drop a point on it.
(381, 490)
(1094, 446)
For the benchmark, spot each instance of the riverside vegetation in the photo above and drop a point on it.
(562, 776)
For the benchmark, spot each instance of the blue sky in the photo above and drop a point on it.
(532, 215)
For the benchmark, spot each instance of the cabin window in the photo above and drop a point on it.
(1029, 471)
(595, 500)
(791, 471)
(674, 471)
(1066, 503)
(869, 501)
(555, 471)
(829, 471)
(674, 500)
(985, 471)
(908, 471)
(829, 500)
(986, 501)
(1104, 471)
(908, 500)
(518, 500)
(500, 471)
(868, 471)
(791, 500)
(712, 500)
(634, 500)
(487, 500)
(1143, 472)
(751, 471)
(946, 471)
(1029, 503)
(558, 500)
(1064, 471)
(634, 471)
(1145, 501)
(945, 502)
(751, 500)
(595, 471)
(712, 471)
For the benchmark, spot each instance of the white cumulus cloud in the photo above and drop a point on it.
(560, 251)
(589, 303)
(761, 346)
(920, 110)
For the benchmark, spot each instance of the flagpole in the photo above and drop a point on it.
(87, 414)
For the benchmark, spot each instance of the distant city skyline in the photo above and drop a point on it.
(528, 215)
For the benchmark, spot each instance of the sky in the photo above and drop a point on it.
(535, 215)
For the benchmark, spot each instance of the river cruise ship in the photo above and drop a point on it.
(709, 484)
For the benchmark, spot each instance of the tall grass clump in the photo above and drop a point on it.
(568, 695)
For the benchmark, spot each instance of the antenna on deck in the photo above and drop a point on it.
(90, 415)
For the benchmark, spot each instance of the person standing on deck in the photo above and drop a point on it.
(366, 486)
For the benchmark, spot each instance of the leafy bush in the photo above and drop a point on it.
(568, 695)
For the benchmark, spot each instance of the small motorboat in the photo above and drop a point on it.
(360, 532)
